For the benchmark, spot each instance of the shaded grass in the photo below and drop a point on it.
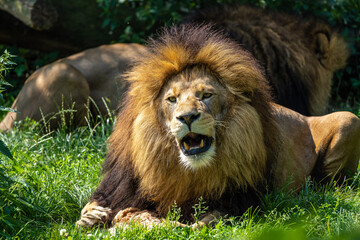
(53, 174)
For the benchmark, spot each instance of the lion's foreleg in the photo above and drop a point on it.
(143, 217)
(93, 214)
(135, 215)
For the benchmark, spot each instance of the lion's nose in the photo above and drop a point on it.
(188, 118)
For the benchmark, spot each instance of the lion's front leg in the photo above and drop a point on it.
(93, 214)
(142, 217)
(150, 219)
(131, 214)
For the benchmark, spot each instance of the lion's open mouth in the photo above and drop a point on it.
(194, 143)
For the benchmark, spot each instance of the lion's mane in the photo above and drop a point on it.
(143, 158)
(299, 56)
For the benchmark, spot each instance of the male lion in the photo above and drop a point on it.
(92, 73)
(198, 121)
(299, 56)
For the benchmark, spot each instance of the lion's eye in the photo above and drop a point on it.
(207, 95)
(172, 99)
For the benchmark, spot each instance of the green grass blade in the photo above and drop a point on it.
(5, 150)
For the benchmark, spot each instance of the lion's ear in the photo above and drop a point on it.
(321, 46)
(332, 51)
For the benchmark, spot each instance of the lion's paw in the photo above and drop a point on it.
(131, 214)
(145, 218)
(93, 214)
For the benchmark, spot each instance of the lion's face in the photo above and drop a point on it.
(193, 105)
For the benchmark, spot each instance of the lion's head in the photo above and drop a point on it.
(195, 118)
(192, 106)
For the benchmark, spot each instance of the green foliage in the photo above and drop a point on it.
(174, 214)
(5, 150)
(5, 62)
(136, 20)
(25, 61)
(199, 209)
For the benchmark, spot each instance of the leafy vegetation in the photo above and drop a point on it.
(4, 67)
(25, 61)
(5, 64)
(52, 175)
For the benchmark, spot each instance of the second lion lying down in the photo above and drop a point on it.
(198, 121)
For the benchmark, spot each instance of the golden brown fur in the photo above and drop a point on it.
(255, 142)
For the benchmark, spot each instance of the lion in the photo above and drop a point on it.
(299, 55)
(69, 82)
(199, 122)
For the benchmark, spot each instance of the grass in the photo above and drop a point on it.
(53, 174)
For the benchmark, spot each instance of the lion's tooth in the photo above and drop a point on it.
(202, 143)
(186, 146)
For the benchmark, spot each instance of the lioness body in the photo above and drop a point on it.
(199, 122)
(93, 73)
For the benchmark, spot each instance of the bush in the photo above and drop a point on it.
(4, 67)
(27, 61)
